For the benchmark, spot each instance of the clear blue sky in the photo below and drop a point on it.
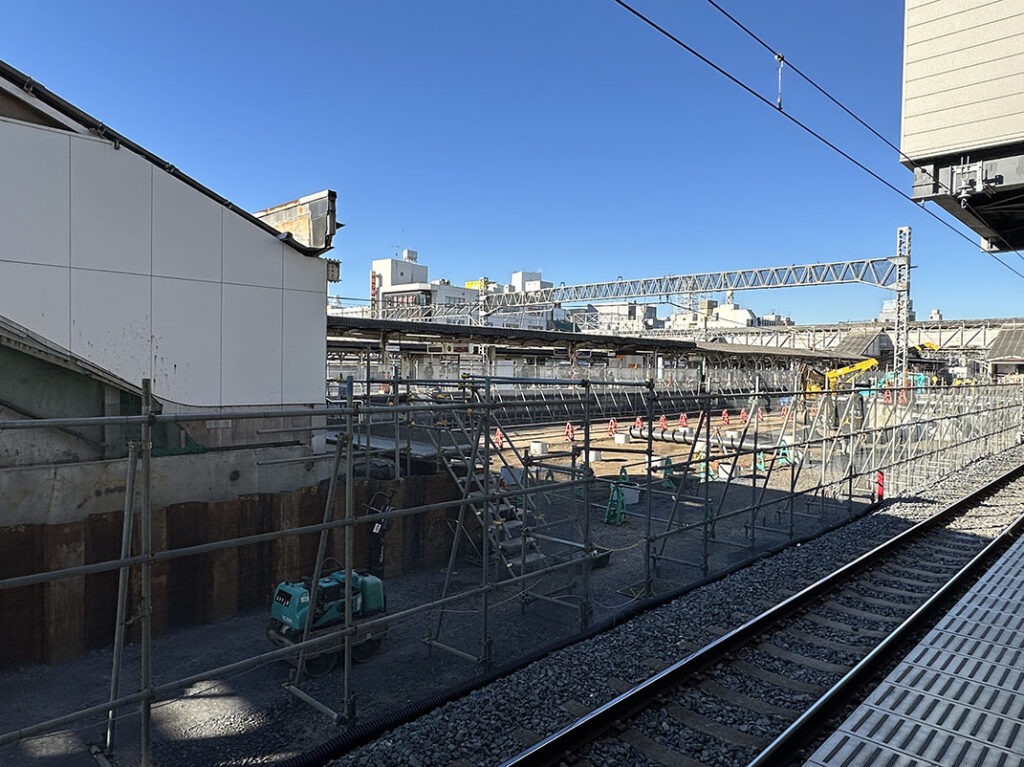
(560, 135)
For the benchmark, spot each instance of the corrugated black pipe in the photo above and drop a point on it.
(364, 733)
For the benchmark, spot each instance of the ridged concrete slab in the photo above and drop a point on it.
(958, 697)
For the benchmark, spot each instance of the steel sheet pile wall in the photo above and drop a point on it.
(59, 621)
(495, 533)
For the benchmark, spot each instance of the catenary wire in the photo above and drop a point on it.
(736, 81)
(824, 92)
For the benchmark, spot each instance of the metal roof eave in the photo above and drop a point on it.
(490, 334)
(20, 338)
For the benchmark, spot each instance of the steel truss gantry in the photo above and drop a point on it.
(879, 272)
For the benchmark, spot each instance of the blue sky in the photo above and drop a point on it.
(560, 135)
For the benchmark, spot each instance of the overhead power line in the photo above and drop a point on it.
(736, 81)
(824, 92)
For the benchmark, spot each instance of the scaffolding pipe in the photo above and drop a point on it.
(347, 696)
(146, 602)
(321, 550)
(122, 594)
(155, 418)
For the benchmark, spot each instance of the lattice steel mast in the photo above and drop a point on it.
(901, 265)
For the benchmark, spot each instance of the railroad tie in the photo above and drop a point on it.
(864, 599)
(575, 708)
(525, 737)
(802, 660)
(748, 702)
(840, 607)
(924, 577)
(655, 751)
(847, 628)
(918, 595)
(722, 732)
(619, 685)
(645, 745)
(779, 680)
(718, 631)
(660, 664)
(830, 644)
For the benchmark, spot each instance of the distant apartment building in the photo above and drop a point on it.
(404, 282)
(729, 315)
(401, 288)
(627, 317)
(774, 320)
(888, 313)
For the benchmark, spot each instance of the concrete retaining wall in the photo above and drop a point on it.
(69, 492)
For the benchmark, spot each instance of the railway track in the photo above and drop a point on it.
(757, 692)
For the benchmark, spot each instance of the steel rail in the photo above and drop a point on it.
(586, 729)
(806, 726)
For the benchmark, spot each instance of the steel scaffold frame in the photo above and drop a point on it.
(842, 439)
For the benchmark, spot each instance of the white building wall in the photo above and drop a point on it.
(963, 76)
(395, 271)
(121, 263)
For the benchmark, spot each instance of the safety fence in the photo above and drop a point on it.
(432, 528)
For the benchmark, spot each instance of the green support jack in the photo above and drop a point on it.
(615, 513)
(782, 458)
(527, 500)
(668, 478)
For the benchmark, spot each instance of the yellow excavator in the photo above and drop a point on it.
(837, 378)
(920, 347)
(834, 379)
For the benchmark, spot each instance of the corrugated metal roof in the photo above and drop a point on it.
(857, 343)
(1008, 345)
